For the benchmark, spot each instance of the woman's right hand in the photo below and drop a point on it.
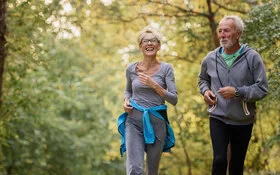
(126, 105)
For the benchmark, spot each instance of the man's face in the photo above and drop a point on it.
(228, 34)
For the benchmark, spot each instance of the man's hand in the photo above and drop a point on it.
(227, 92)
(210, 98)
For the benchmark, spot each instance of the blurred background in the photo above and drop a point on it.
(62, 81)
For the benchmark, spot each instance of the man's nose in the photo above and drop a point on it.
(222, 34)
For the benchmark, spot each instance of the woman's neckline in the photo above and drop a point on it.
(154, 73)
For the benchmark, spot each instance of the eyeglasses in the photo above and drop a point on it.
(153, 41)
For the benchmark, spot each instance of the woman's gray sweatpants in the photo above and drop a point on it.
(135, 146)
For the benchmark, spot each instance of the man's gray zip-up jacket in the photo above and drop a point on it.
(247, 74)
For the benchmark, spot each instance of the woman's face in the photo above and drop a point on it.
(149, 45)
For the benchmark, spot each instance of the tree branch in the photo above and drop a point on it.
(228, 9)
(187, 12)
(188, 160)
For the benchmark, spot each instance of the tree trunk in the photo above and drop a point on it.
(3, 4)
(212, 24)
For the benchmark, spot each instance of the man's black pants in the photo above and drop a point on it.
(221, 135)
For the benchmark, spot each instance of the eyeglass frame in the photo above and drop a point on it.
(152, 40)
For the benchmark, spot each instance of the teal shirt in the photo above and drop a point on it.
(229, 58)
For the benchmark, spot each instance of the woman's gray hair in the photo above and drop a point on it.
(238, 22)
(149, 29)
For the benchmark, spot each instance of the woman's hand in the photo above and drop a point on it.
(126, 105)
(147, 80)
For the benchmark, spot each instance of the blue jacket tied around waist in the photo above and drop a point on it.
(148, 130)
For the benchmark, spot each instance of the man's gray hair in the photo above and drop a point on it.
(238, 22)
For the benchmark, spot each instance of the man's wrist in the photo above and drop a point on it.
(205, 91)
(154, 85)
(236, 92)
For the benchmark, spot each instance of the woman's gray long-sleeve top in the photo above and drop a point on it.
(146, 96)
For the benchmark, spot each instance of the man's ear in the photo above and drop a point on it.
(239, 35)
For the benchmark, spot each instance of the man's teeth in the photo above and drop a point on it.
(150, 49)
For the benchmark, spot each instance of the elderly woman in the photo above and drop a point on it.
(144, 125)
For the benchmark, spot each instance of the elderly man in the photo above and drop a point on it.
(231, 80)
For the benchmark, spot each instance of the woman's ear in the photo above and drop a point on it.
(159, 46)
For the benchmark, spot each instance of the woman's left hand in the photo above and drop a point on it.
(146, 79)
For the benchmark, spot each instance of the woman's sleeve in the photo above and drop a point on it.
(170, 95)
(128, 89)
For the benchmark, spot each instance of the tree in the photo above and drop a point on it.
(2, 42)
(263, 33)
(64, 81)
(55, 118)
(186, 26)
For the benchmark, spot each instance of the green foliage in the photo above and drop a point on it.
(263, 33)
(63, 91)
(53, 119)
